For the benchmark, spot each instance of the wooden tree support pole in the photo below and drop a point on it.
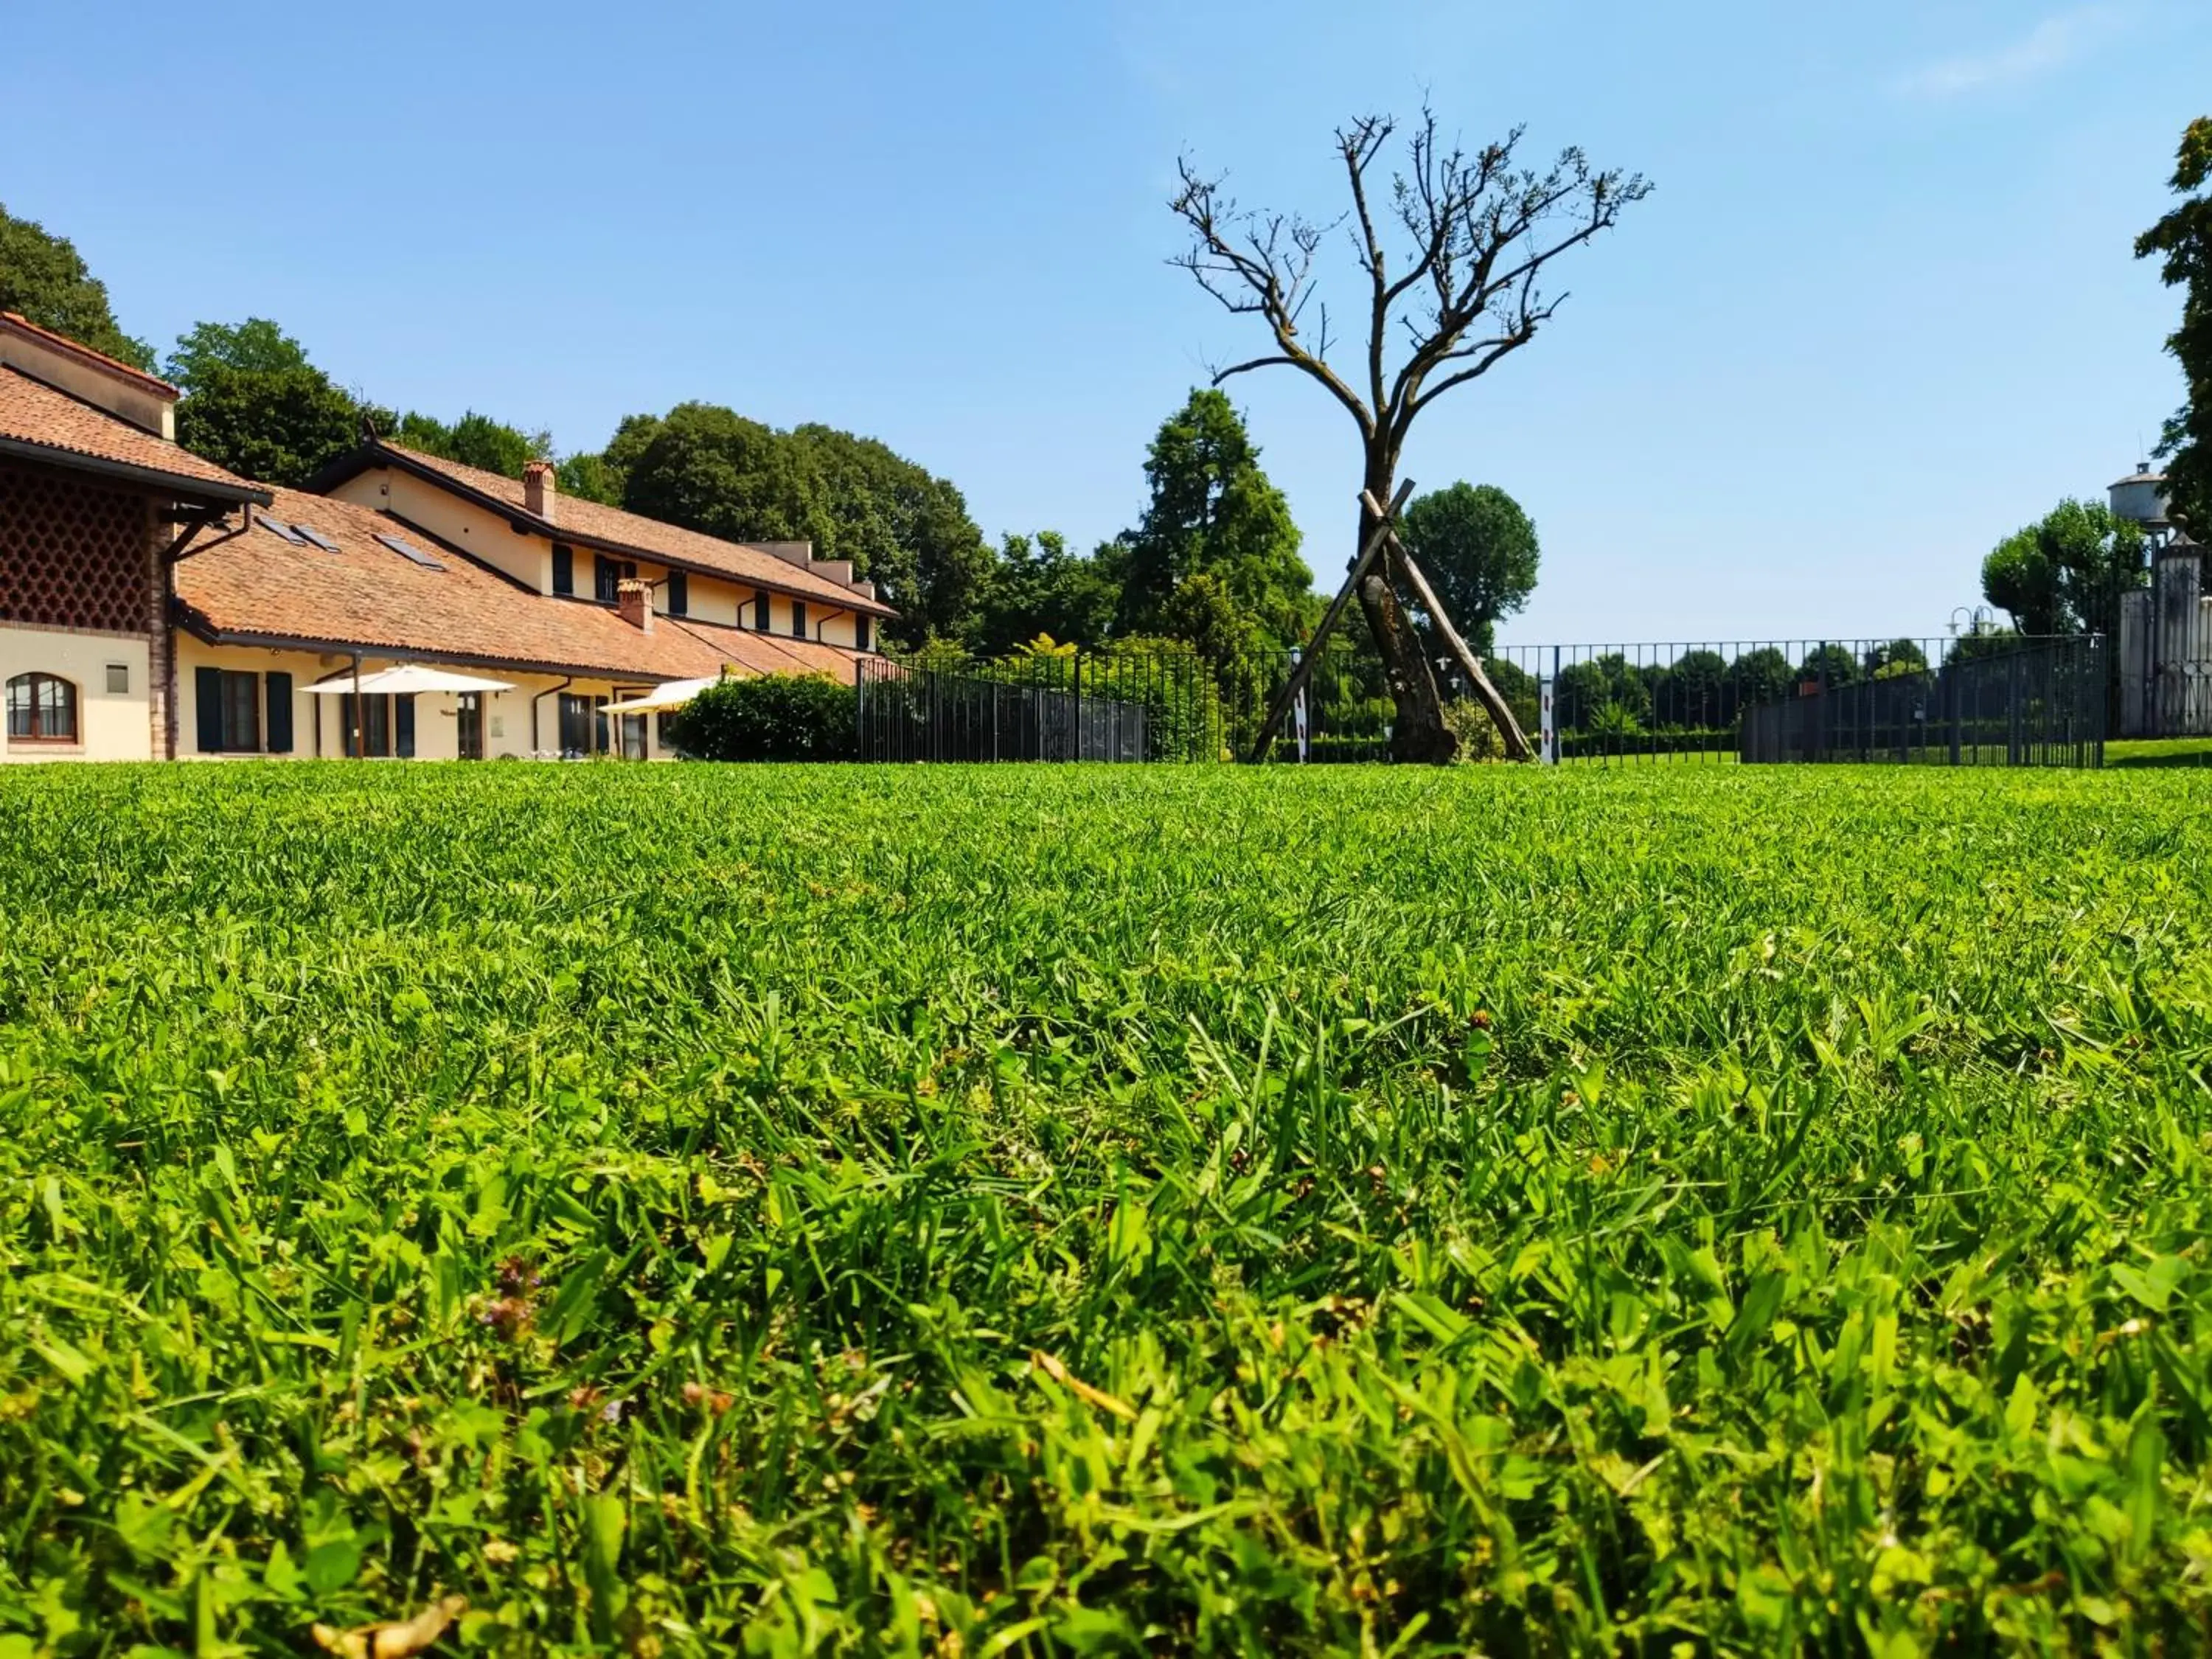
(1501, 714)
(1300, 674)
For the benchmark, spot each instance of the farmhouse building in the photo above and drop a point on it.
(154, 605)
(96, 498)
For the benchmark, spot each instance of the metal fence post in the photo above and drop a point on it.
(1957, 679)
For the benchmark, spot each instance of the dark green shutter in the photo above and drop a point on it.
(679, 594)
(564, 567)
(207, 692)
(859, 633)
(602, 578)
(403, 726)
(280, 713)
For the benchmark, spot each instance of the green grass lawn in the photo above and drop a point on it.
(2158, 751)
(975, 1212)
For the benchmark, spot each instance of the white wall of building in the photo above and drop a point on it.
(111, 724)
(319, 723)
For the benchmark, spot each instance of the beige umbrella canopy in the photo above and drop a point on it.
(662, 698)
(406, 680)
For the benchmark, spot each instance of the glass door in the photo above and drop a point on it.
(470, 726)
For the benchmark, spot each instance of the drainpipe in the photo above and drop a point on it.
(540, 698)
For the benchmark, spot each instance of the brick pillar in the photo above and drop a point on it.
(161, 657)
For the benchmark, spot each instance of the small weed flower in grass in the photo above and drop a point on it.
(1083, 1211)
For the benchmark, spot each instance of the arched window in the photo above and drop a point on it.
(41, 708)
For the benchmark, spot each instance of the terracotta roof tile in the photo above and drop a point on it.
(589, 521)
(31, 411)
(259, 585)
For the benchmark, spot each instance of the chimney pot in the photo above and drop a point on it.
(633, 599)
(541, 495)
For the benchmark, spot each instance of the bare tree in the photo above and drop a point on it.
(1463, 293)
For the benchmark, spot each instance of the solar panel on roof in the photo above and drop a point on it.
(407, 549)
(281, 528)
(317, 538)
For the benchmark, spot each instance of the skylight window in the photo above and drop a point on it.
(318, 538)
(277, 527)
(407, 549)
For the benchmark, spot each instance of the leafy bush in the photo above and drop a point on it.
(1480, 739)
(1674, 740)
(770, 717)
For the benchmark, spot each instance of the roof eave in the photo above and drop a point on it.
(128, 472)
(356, 462)
(203, 628)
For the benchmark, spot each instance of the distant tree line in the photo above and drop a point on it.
(1213, 563)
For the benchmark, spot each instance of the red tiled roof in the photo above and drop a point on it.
(261, 588)
(16, 321)
(32, 412)
(581, 520)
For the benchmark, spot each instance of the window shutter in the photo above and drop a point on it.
(859, 633)
(679, 594)
(798, 619)
(403, 726)
(603, 579)
(280, 713)
(760, 612)
(207, 693)
(564, 567)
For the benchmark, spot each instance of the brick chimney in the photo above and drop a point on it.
(541, 496)
(634, 598)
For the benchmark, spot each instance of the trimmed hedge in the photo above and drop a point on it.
(770, 717)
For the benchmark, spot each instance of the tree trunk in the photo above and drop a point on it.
(1419, 734)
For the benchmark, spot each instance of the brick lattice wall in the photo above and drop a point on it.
(73, 554)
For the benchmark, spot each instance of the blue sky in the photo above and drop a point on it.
(1881, 310)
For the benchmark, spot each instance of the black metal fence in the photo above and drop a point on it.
(1977, 699)
(1972, 698)
(1049, 706)
(2040, 704)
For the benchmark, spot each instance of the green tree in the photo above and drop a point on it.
(256, 346)
(1212, 512)
(709, 469)
(1830, 666)
(1896, 659)
(44, 280)
(601, 478)
(905, 529)
(1696, 689)
(1763, 675)
(280, 427)
(589, 478)
(1204, 614)
(1040, 585)
(1584, 691)
(1983, 641)
(2183, 241)
(475, 440)
(2065, 574)
(1518, 687)
(1479, 551)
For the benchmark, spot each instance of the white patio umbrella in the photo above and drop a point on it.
(662, 698)
(408, 679)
